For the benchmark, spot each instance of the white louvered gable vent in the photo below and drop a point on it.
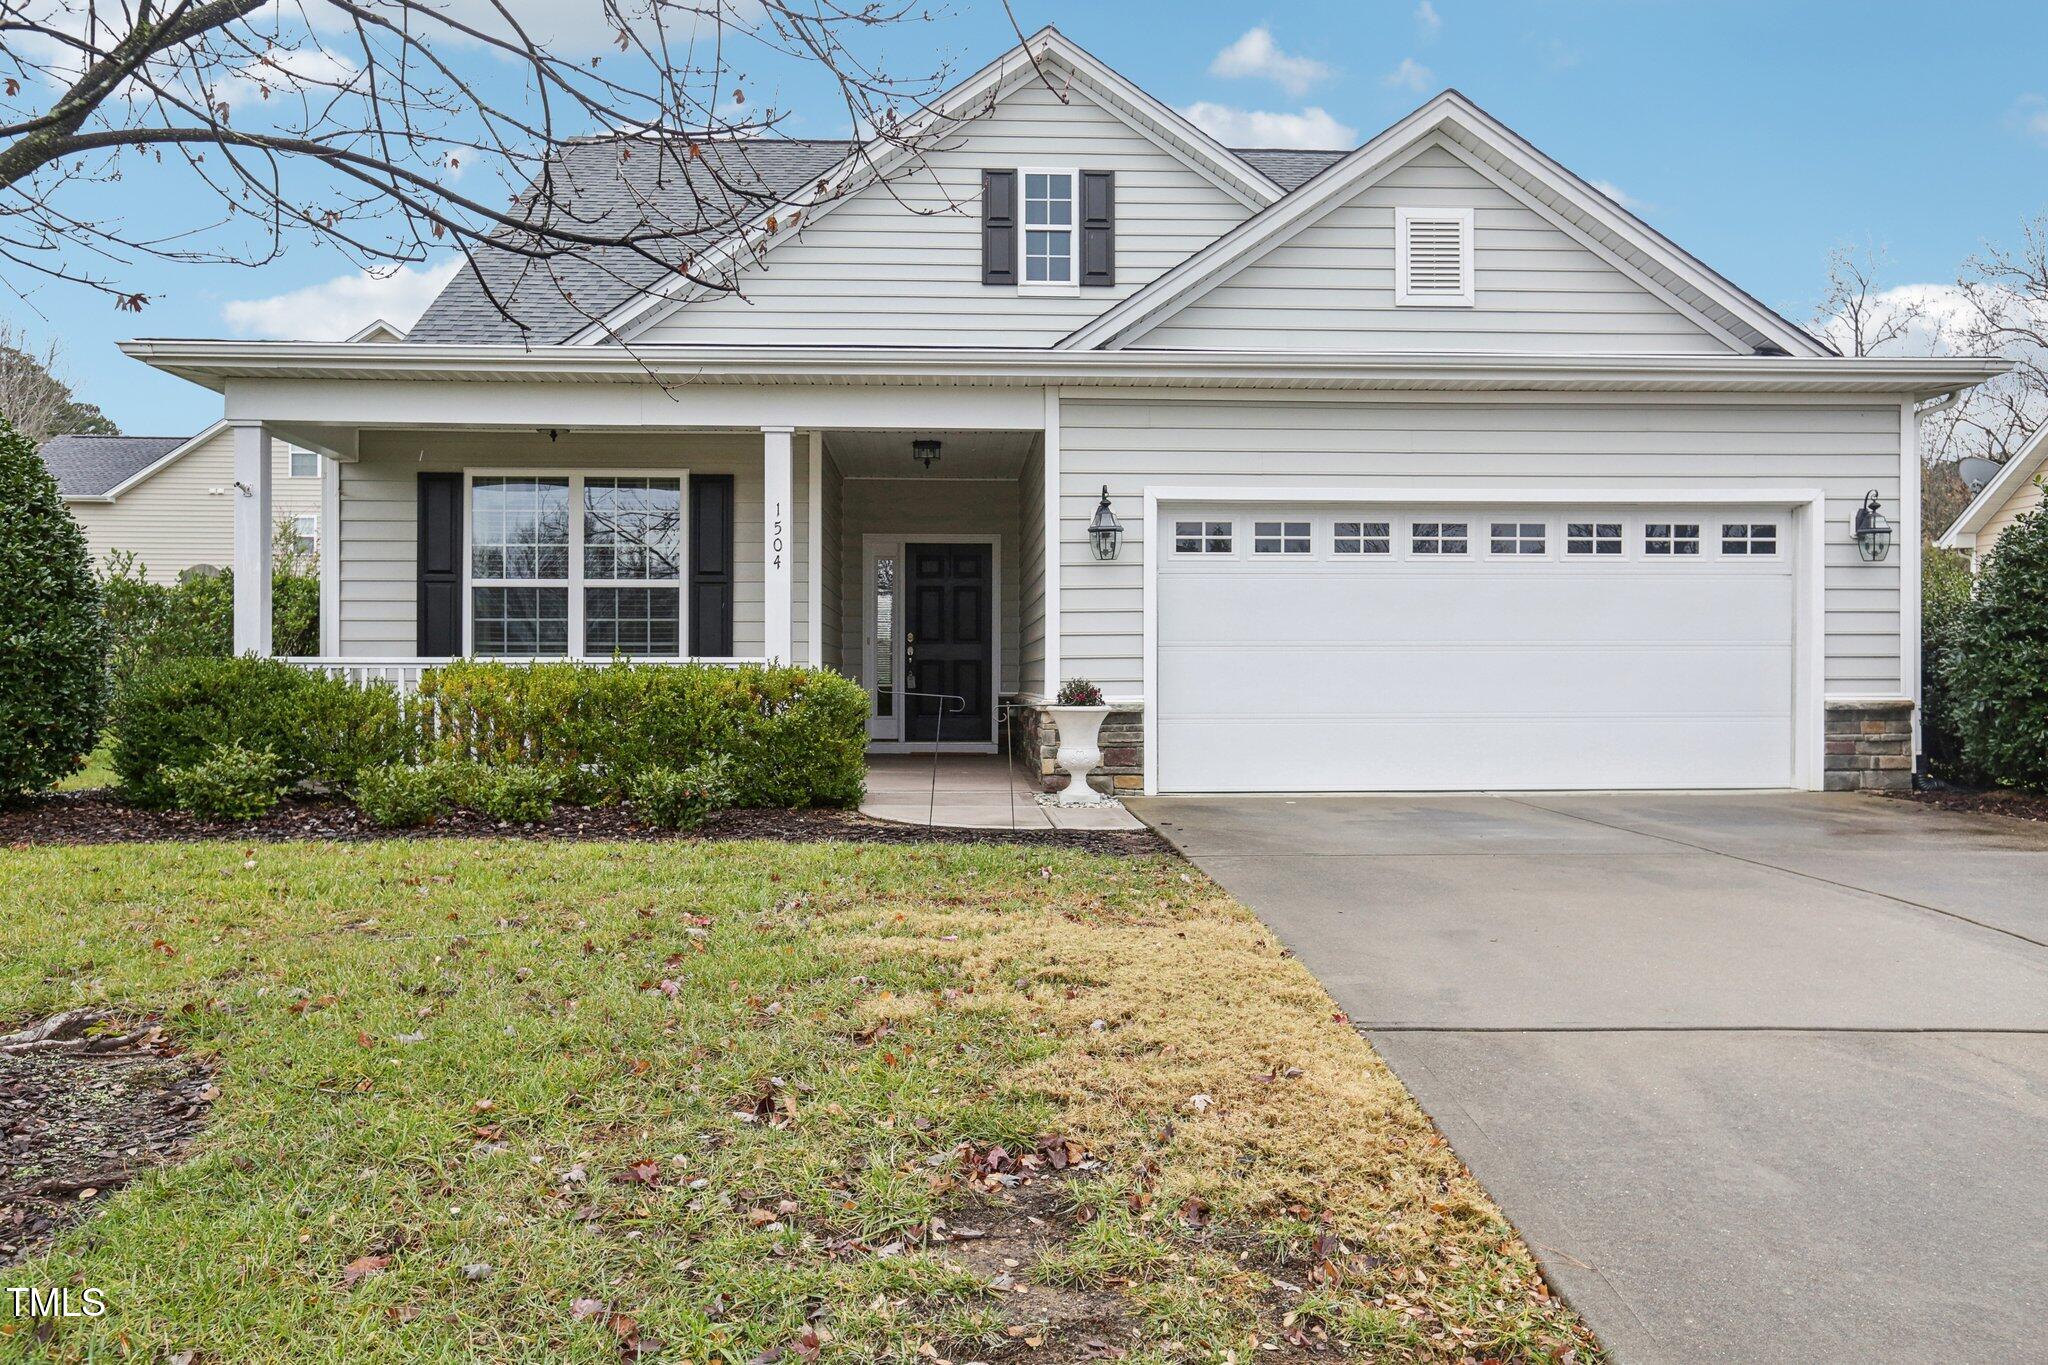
(1433, 258)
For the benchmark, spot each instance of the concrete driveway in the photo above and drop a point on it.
(1760, 1077)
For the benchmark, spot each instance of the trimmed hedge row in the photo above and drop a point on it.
(785, 737)
(1993, 669)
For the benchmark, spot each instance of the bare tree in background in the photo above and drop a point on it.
(377, 127)
(1999, 307)
(35, 399)
(1856, 314)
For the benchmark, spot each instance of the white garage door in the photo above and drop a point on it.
(1367, 648)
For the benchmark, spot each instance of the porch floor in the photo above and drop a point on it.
(972, 791)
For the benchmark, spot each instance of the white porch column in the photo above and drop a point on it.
(252, 539)
(778, 569)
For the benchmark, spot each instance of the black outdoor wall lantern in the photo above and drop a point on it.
(1105, 532)
(925, 451)
(1873, 532)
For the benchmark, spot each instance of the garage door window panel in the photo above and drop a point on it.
(1671, 539)
(1361, 538)
(1439, 538)
(1593, 539)
(1207, 536)
(1282, 538)
(1749, 539)
(1512, 539)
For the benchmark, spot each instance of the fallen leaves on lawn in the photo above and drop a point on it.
(360, 1267)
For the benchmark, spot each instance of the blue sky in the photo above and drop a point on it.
(1757, 135)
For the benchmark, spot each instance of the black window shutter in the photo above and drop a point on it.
(1098, 227)
(998, 227)
(440, 566)
(711, 565)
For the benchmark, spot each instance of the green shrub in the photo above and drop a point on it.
(53, 681)
(1995, 674)
(1945, 587)
(794, 737)
(231, 783)
(194, 618)
(515, 793)
(682, 798)
(404, 795)
(171, 714)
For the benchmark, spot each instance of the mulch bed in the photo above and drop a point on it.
(1983, 801)
(98, 817)
(87, 1103)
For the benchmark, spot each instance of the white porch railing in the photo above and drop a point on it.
(403, 672)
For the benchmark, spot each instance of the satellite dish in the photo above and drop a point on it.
(1976, 471)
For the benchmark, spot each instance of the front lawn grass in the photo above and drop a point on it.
(552, 1101)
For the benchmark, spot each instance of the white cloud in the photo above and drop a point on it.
(1428, 23)
(1256, 54)
(1312, 127)
(2030, 116)
(1409, 75)
(1940, 313)
(338, 308)
(1621, 196)
(288, 71)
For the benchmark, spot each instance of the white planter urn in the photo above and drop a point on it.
(1080, 752)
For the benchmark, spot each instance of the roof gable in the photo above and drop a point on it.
(1047, 56)
(2014, 475)
(1454, 123)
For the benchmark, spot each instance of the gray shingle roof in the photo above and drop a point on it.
(694, 203)
(88, 466)
(620, 186)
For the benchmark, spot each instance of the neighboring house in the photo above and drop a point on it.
(169, 500)
(1435, 467)
(2013, 492)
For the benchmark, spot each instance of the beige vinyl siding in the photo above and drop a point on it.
(1484, 443)
(1031, 575)
(379, 513)
(2021, 501)
(1331, 285)
(832, 573)
(183, 515)
(927, 509)
(900, 265)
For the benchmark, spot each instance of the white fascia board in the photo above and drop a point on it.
(170, 457)
(1457, 118)
(875, 161)
(217, 364)
(1992, 496)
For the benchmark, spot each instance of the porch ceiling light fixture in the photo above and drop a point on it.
(1873, 531)
(927, 451)
(1105, 532)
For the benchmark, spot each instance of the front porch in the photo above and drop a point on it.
(910, 559)
(974, 791)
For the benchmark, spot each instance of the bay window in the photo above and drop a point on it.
(576, 565)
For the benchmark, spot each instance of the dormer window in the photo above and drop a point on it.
(1433, 258)
(1048, 230)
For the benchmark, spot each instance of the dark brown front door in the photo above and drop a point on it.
(948, 641)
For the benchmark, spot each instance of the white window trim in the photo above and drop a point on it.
(1070, 288)
(312, 536)
(1749, 556)
(1464, 519)
(1701, 550)
(575, 582)
(1283, 520)
(1518, 520)
(1630, 527)
(1467, 296)
(291, 455)
(1362, 520)
(1229, 519)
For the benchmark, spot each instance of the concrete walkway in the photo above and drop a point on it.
(972, 791)
(1760, 1077)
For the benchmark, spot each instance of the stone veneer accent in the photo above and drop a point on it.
(1036, 740)
(1870, 746)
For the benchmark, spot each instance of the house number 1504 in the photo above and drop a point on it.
(775, 541)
